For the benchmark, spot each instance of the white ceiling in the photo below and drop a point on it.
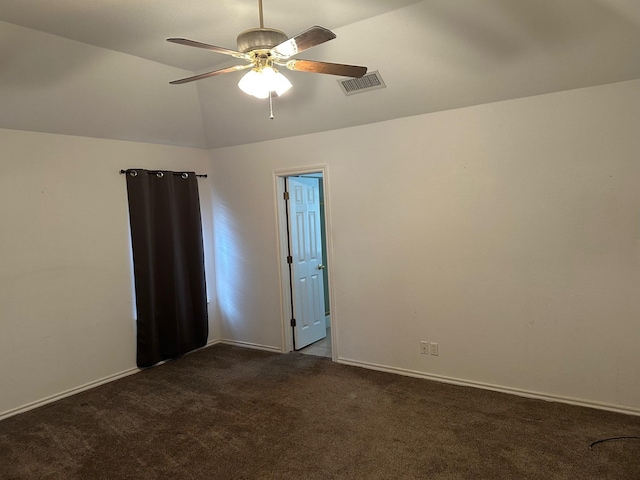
(140, 27)
(434, 55)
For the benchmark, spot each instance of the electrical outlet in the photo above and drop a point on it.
(433, 349)
(424, 348)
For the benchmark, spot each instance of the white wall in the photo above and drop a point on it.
(509, 233)
(66, 301)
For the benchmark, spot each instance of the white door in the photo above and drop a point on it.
(306, 267)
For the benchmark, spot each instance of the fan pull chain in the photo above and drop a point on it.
(271, 117)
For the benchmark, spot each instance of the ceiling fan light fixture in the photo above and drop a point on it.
(250, 83)
(262, 48)
(259, 82)
(280, 83)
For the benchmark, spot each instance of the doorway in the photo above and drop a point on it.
(308, 319)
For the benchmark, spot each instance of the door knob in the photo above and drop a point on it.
(320, 266)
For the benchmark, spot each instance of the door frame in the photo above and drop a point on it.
(283, 250)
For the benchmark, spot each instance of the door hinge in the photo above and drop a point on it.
(289, 259)
(293, 322)
(286, 195)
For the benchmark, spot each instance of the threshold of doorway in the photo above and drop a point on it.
(321, 348)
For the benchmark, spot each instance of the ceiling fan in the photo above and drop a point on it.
(263, 49)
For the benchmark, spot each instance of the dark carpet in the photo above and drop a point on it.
(231, 413)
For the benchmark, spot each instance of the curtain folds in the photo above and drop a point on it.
(168, 258)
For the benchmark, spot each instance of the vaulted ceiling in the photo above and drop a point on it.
(59, 71)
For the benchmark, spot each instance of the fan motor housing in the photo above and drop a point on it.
(260, 39)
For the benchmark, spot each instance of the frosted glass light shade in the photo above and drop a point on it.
(251, 84)
(260, 82)
(281, 83)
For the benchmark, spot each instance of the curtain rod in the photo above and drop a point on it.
(122, 172)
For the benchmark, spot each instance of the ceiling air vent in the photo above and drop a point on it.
(370, 81)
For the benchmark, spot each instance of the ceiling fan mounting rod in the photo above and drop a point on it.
(261, 15)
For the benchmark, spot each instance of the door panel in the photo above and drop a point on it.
(306, 268)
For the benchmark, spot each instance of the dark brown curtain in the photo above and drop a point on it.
(168, 259)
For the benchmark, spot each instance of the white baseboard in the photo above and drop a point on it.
(82, 388)
(346, 361)
(255, 346)
(68, 393)
(495, 388)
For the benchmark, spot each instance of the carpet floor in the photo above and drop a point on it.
(232, 413)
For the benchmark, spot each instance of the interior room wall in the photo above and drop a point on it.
(508, 233)
(66, 294)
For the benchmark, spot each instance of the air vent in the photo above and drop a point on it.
(369, 81)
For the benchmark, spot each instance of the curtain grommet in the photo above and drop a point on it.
(133, 173)
(159, 174)
(185, 175)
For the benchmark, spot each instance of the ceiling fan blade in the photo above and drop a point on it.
(235, 68)
(328, 68)
(206, 46)
(309, 38)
